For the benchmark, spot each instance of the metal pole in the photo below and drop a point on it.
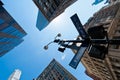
(96, 41)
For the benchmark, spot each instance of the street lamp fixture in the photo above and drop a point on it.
(55, 40)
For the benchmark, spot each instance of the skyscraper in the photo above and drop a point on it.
(109, 68)
(55, 71)
(50, 9)
(11, 33)
(15, 75)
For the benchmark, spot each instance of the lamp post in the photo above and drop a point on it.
(46, 46)
(91, 40)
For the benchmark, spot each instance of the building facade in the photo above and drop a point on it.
(15, 75)
(50, 9)
(55, 71)
(109, 68)
(11, 33)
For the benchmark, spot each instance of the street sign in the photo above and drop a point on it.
(79, 26)
(76, 59)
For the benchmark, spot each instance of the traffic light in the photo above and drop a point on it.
(98, 51)
(96, 32)
(61, 49)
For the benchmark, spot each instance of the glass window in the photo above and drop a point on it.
(8, 30)
(53, 7)
(13, 31)
(45, 9)
(49, 14)
(47, 4)
(1, 21)
(51, 10)
(57, 2)
(48, 1)
(6, 39)
(40, 2)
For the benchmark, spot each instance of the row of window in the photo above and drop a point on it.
(7, 47)
(13, 31)
(11, 43)
(55, 71)
(116, 46)
(104, 13)
(1, 21)
(2, 53)
(49, 6)
(104, 77)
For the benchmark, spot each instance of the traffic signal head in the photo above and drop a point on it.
(96, 32)
(61, 49)
(98, 51)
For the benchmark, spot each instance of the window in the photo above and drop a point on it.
(48, 1)
(53, 7)
(46, 4)
(13, 31)
(115, 46)
(1, 21)
(45, 9)
(51, 10)
(57, 2)
(40, 2)
(11, 43)
(115, 60)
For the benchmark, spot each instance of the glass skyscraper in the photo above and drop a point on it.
(55, 71)
(49, 10)
(42, 22)
(11, 33)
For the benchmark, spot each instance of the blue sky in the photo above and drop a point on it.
(29, 56)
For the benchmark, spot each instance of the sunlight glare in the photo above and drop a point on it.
(58, 20)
